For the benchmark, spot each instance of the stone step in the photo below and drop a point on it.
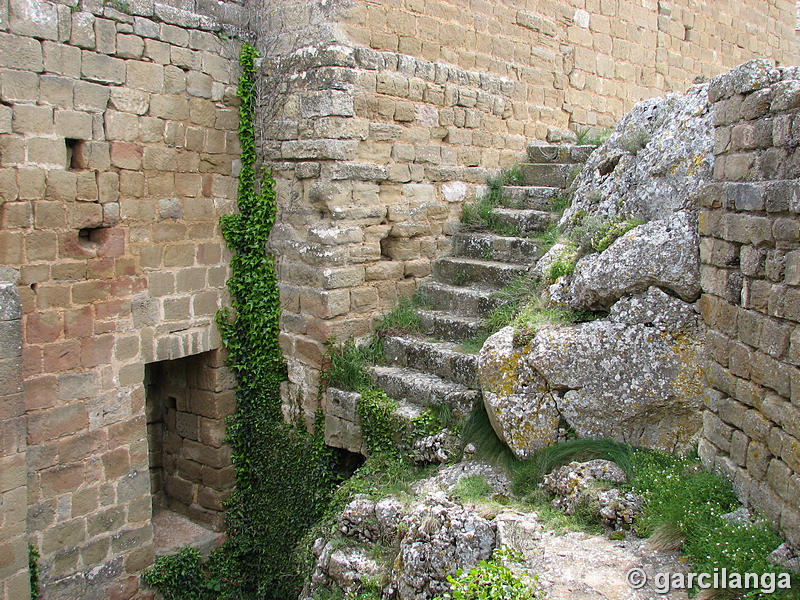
(536, 197)
(442, 359)
(547, 174)
(488, 246)
(444, 325)
(547, 153)
(424, 389)
(343, 425)
(457, 270)
(526, 220)
(470, 301)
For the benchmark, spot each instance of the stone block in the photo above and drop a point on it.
(82, 31)
(73, 124)
(144, 76)
(32, 119)
(21, 53)
(101, 68)
(91, 96)
(34, 18)
(19, 86)
(341, 277)
(47, 152)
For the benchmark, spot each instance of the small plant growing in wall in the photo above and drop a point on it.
(33, 571)
(635, 141)
(481, 214)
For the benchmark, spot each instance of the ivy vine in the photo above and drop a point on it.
(284, 475)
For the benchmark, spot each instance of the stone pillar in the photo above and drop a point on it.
(750, 274)
(14, 577)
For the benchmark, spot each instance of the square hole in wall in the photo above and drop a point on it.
(187, 401)
(76, 153)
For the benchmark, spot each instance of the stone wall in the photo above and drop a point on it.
(118, 155)
(381, 118)
(14, 581)
(750, 253)
(582, 62)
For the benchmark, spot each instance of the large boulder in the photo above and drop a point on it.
(654, 164)
(635, 377)
(663, 253)
(442, 537)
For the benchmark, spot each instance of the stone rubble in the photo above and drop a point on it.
(410, 546)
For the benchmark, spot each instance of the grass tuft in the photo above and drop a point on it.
(472, 489)
(478, 430)
(347, 362)
(481, 214)
(403, 318)
(527, 475)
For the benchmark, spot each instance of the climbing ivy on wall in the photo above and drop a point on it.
(284, 475)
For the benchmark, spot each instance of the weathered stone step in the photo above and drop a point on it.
(488, 246)
(343, 425)
(424, 389)
(547, 153)
(443, 325)
(439, 358)
(547, 174)
(536, 197)
(470, 301)
(458, 270)
(527, 220)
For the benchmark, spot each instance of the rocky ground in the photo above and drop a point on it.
(405, 546)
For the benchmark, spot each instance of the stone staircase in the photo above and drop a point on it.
(427, 369)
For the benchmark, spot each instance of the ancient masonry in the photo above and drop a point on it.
(750, 254)
(118, 155)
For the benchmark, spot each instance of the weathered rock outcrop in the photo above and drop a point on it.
(579, 485)
(442, 537)
(663, 253)
(636, 375)
(654, 164)
(405, 550)
(426, 541)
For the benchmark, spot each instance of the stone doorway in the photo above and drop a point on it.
(191, 473)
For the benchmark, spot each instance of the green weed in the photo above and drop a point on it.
(635, 141)
(347, 362)
(600, 137)
(478, 430)
(564, 264)
(481, 214)
(686, 503)
(472, 489)
(594, 234)
(547, 238)
(493, 580)
(585, 137)
(403, 318)
(474, 344)
(560, 202)
(33, 572)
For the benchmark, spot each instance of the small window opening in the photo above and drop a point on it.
(90, 237)
(76, 155)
